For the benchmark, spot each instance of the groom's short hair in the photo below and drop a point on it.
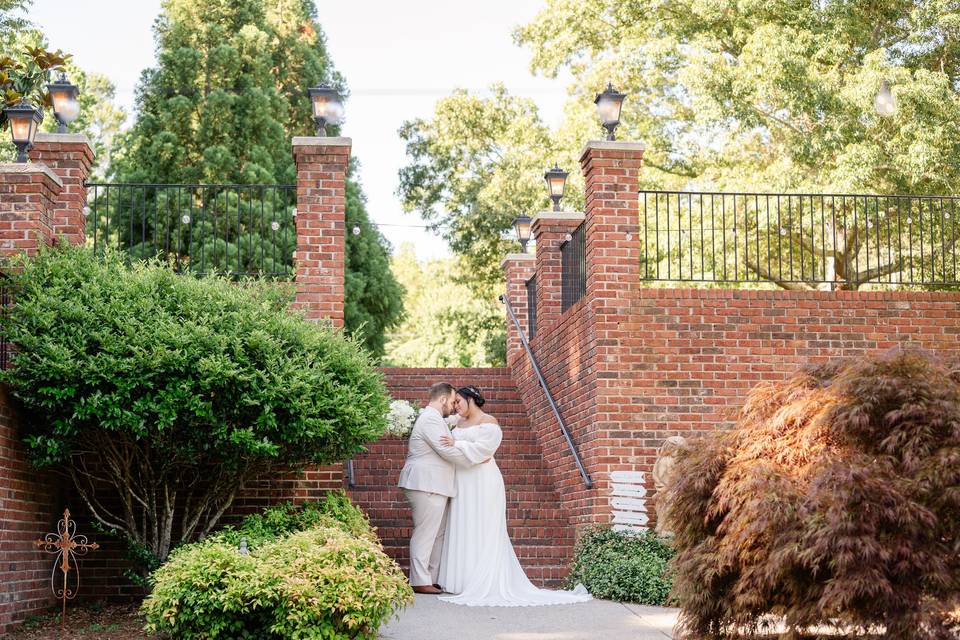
(440, 390)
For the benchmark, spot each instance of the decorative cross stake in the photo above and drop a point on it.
(66, 544)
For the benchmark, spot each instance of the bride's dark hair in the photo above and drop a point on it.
(472, 392)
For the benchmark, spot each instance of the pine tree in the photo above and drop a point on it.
(220, 107)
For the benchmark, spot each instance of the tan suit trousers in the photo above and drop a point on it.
(426, 543)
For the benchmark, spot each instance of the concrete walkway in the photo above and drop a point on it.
(430, 619)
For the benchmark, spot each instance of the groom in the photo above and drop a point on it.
(429, 481)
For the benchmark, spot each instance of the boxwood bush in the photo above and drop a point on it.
(322, 583)
(622, 566)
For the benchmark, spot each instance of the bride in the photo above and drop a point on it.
(479, 564)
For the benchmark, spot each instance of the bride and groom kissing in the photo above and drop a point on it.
(460, 545)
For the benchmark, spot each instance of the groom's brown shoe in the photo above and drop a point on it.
(427, 588)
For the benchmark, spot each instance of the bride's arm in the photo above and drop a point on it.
(482, 445)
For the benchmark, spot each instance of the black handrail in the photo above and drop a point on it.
(553, 405)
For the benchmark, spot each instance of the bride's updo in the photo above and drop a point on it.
(473, 393)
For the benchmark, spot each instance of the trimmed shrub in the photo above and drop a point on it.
(322, 583)
(166, 393)
(622, 566)
(834, 500)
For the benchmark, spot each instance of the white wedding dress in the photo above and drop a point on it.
(479, 564)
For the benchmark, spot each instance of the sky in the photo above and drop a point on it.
(399, 58)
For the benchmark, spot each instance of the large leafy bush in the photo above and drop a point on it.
(834, 500)
(622, 566)
(161, 395)
(321, 582)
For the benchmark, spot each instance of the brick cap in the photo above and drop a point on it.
(63, 138)
(612, 145)
(321, 141)
(518, 257)
(552, 216)
(28, 168)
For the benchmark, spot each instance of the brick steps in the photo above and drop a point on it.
(539, 527)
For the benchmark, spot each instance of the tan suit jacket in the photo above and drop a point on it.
(430, 466)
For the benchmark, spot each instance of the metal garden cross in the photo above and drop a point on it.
(66, 544)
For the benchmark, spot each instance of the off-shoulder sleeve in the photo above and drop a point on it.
(485, 443)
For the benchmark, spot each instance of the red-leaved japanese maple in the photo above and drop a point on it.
(835, 500)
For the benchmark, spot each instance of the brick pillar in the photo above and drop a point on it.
(611, 174)
(321, 206)
(70, 156)
(518, 269)
(550, 228)
(28, 195)
(322, 165)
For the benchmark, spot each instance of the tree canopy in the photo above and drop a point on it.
(446, 324)
(743, 96)
(227, 95)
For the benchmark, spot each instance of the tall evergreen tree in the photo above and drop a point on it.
(223, 102)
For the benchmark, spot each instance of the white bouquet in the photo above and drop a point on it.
(400, 418)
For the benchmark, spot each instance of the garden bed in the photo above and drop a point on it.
(111, 622)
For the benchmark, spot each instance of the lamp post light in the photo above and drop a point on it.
(327, 107)
(884, 102)
(24, 120)
(556, 183)
(66, 107)
(522, 225)
(608, 107)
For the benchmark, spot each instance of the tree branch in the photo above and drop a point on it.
(766, 275)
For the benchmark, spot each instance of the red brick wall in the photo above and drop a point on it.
(691, 356)
(29, 505)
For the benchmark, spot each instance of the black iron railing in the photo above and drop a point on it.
(532, 306)
(241, 230)
(800, 240)
(573, 269)
(571, 446)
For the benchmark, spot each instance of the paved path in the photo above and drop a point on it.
(430, 619)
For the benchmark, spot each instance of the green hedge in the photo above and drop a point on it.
(621, 566)
(313, 571)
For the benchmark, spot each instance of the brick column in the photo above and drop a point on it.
(28, 194)
(611, 174)
(70, 156)
(321, 206)
(550, 228)
(518, 269)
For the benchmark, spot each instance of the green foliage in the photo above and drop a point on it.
(474, 166)
(447, 323)
(757, 97)
(334, 511)
(319, 583)
(173, 391)
(221, 106)
(622, 566)
(834, 500)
